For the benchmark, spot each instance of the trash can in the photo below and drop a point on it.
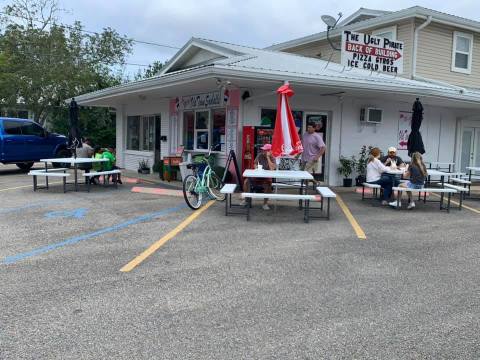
(184, 171)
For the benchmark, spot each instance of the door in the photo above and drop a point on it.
(321, 121)
(13, 141)
(37, 144)
(157, 139)
(470, 148)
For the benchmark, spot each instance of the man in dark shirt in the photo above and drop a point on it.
(392, 158)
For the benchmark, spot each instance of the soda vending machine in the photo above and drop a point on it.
(254, 137)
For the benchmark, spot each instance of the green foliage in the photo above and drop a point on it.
(143, 164)
(43, 63)
(152, 70)
(347, 165)
(158, 166)
(361, 165)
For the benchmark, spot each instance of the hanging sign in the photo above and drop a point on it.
(368, 52)
(404, 129)
(202, 101)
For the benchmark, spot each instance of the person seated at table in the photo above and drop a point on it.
(97, 166)
(392, 159)
(267, 161)
(376, 174)
(86, 151)
(416, 175)
(109, 154)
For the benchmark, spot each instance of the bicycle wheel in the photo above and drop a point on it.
(214, 186)
(192, 197)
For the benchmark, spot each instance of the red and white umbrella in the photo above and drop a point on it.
(285, 136)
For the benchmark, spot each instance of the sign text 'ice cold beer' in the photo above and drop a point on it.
(364, 51)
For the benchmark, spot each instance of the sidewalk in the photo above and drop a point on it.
(152, 178)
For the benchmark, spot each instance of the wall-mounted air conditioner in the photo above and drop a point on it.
(371, 115)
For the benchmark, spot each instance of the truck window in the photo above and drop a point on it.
(12, 127)
(32, 129)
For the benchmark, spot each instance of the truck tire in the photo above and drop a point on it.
(62, 153)
(25, 166)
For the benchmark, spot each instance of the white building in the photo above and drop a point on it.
(186, 104)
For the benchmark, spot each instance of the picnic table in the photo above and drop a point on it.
(280, 174)
(441, 165)
(73, 162)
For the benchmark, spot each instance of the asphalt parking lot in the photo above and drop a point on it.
(222, 288)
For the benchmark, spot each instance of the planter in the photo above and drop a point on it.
(347, 182)
(360, 179)
(144, 171)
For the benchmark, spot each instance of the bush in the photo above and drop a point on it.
(347, 165)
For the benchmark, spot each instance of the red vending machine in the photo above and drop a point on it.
(254, 137)
(248, 147)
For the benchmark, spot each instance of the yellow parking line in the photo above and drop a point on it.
(463, 205)
(356, 227)
(25, 186)
(17, 187)
(155, 246)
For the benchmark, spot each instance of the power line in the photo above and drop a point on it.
(97, 33)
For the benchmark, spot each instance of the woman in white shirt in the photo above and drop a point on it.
(375, 170)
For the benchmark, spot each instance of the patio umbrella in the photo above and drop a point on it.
(415, 142)
(285, 136)
(74, 138)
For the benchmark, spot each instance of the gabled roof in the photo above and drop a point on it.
(388, 18)
(362, 14)
(260, 64)
(197, 52)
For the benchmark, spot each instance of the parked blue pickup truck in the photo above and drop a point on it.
(22, 142)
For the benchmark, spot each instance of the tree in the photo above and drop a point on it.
(152, 70)
(49, 62)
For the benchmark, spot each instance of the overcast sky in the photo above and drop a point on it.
(246, 22)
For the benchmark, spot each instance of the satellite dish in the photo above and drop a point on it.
(329, 20)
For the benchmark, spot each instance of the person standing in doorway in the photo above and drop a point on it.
(313, 149)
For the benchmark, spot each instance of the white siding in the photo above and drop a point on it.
(130, 159)
(346, 135)
(434, 60)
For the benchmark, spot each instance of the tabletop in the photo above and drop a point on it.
(440, 163)
(278, 174)
(430, 172)
(433, 172)
(74, 160)
(396, 171)
(473, 168)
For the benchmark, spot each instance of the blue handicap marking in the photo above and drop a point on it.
(75, 213)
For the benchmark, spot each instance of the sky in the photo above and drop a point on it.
(243, 22)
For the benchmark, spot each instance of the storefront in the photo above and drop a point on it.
(211, 104)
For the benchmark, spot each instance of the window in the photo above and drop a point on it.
(388, 32)
(462, 52)
(188, 124)
(202, 122)
(133, 133)
(141, 133)
(204, 129)
(32, 129)
(218, 130)
(12, 127)
(268, 117)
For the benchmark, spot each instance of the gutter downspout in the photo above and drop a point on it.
(415, 45)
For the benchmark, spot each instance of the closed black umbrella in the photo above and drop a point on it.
(415, 142)
(74, 138)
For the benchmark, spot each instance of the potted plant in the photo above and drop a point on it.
(361, 165)
(143, 167)
(347, 165)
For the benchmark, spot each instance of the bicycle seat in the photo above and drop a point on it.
(192, 166)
